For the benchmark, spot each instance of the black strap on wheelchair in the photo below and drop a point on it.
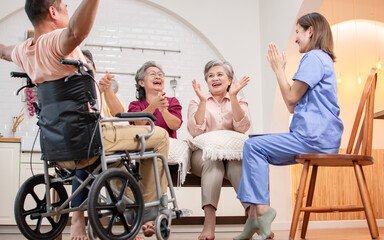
(132, 168)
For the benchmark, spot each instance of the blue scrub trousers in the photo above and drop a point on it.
(259, 152)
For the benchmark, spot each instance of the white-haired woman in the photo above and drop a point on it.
(220, 109)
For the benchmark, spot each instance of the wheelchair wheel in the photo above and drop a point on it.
(31, 202)
(91, 234)
(115, 205)
(162, 229)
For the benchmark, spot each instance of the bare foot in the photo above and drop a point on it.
(148, 228)
(206, 237)
(78, 226)
(208, 232)
(138, 237)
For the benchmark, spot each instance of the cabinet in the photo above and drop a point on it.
(9, 180)
(25, 165)
(15, 168)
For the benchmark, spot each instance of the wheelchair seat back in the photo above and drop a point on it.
(69, 130)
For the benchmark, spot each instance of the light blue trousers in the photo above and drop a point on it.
(258, 153)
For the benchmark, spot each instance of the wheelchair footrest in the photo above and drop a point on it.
(181, 213)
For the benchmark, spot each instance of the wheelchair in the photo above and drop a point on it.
(115, 204)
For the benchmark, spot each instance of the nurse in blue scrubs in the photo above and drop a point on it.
(315, 127)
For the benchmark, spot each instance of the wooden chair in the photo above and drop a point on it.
(358, 154)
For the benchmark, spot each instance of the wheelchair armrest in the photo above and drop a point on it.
(136, 115)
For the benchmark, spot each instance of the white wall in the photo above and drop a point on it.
(10, 7)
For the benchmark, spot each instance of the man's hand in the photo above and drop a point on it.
(5, 52)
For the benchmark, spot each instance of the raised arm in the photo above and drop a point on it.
(79, 26)
(238, 112)
(291, 94)
(110, 97)
(200, 112)
(5, 52)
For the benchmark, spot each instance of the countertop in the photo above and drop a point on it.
(12, 140)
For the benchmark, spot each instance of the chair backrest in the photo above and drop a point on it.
(363, 125)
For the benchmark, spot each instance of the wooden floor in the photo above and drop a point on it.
(228, 232)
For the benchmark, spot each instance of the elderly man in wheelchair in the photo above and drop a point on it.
(70, 133)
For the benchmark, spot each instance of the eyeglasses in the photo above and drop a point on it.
(153, 74)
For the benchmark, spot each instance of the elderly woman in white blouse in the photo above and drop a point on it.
(220, 109)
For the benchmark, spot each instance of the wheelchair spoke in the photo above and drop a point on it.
(35, 197)
(123, 189)
(38, 225)
(110, 207)
(51, 221)
(125, 223)
(30, 212)
(163, 225)
(110, 192)
(110, 224)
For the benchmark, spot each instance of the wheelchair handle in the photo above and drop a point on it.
(76, 63)
(30, 84)
(71, 62)
(19, 75)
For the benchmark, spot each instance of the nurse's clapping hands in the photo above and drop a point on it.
(275, 58)
(237, 86)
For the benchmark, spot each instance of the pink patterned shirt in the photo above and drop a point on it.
(218, 116)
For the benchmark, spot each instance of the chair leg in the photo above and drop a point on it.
(299, 200)
(366, 201)
(311, 190)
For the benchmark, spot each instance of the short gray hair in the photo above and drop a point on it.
(227, 66)
(140, 74)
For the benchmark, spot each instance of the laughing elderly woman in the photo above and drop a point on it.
(221, 109)
(167, 110)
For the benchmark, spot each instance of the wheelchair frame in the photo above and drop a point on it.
(118, 202)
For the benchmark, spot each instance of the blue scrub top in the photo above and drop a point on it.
(316, 116)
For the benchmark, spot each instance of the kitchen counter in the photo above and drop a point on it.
(12, 140)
